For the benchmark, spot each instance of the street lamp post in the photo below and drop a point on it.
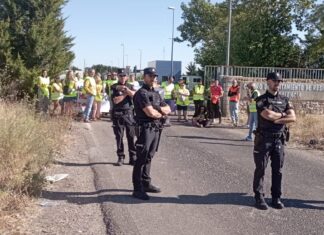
(123, 54)
(229, 36)
(172, 38)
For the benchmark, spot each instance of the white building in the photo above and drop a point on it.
(163, 69)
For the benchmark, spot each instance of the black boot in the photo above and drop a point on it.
(276, 203)
(260, 203)
(141, 195)
(120, 161)
(150, 188)
(132, 161)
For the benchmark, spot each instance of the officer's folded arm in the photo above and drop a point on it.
(119, 99)
(151, 112)
(270, 115)
(129, 92)
(165, 110)
(279, 118)
(288, 117)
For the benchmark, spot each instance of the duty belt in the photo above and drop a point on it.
(271, 135)
(121, 112)
(149, 124)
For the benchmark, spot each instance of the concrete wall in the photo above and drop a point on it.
(306, 95)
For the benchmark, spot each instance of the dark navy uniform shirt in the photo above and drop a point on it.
(144, 97)
(124, 105)
(277, 103)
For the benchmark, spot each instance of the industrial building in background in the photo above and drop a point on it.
(163, 69)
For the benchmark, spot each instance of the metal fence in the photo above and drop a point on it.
(261, 72)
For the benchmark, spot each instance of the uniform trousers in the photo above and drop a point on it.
(121, 124)
(146, 146)
(266, 147)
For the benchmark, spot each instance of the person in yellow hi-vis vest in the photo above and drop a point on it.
(183, 101)
(98, 98)
(42, 85)
(253, 115)
(90, 92)
(198, 96)
(111, 80)
(168, 87)
(56, 93)
(70, 93)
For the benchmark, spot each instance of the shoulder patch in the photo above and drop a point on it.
(259, 104)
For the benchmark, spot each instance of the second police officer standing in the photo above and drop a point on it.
(122, 117)
(150, 109)
(274, 112)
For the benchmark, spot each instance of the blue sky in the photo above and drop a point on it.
(101, 26)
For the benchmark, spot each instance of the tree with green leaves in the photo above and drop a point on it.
(262, 31)
(314, 40)
(100, 68)
(35, 39)
(192, 69)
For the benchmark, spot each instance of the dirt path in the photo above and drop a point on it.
(57, 211)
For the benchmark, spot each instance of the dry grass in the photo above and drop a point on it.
(309, 130)
(28, 144)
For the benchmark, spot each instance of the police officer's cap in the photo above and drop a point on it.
(274, 76)
(121, 72)
(150, 71)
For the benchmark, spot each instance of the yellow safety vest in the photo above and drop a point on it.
(74, 92)
(252, 105)
(99, 96)
(89, 86)
(168, 88)
(109, 83)
(199, 91)
(164, 84)
(57, 91)
(43, 84)
(182, 100)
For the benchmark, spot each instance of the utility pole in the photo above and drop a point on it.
(123, 54)
(229, 36)
(172, 39)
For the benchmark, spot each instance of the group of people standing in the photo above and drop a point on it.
(70, 93)
(142, 112)
(207, 102)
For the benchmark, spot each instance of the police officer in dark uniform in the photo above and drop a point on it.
(274, 112)
(150, 110)
(122, 117)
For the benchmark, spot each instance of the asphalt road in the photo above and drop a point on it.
(206, 180)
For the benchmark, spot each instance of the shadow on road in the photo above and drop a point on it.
(83, 164)
(222, 143)
(202, 138)
(239, 199)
